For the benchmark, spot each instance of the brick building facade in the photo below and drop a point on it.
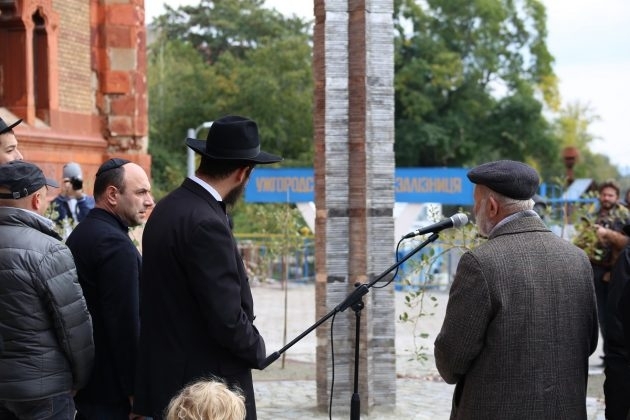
(75, 72)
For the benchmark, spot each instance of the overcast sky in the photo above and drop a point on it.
(590, 40)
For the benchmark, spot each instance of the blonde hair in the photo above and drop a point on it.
(207, 400)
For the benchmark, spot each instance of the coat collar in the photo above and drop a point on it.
(112, 219)
(12, 216)
(524, 221)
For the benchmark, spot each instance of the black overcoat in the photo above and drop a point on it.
(196, 305)
(108, 264)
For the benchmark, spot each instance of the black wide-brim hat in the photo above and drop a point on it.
(233, 138)
(5, 128)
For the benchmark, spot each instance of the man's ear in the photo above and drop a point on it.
(111, 194)
(37, 201)
(242, 173)
(493, 206)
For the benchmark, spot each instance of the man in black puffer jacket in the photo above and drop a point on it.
(45, 326)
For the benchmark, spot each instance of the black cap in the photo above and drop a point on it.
(23, 179)
(507, 177)
(5, 128)
(110, 164)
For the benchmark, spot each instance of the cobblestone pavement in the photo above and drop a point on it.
(289, 391)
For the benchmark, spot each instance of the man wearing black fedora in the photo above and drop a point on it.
(8, 142)
(196, 305)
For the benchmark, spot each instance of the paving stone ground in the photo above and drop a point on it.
(287, 389)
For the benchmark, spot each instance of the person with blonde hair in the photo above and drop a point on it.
(207, 400)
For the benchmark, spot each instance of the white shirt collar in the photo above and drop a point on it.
(207, 187)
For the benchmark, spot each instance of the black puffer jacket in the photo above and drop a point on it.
(46, 330)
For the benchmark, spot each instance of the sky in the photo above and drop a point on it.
(590, 40)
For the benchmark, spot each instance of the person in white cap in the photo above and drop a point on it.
(72, 204)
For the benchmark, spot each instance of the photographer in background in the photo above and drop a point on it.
(72, 204)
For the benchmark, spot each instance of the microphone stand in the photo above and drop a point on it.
(354, 300)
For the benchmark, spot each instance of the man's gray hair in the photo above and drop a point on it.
(512, 204)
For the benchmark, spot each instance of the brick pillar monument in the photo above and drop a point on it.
(354, 193)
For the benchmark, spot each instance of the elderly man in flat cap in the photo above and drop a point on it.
(8, 142)
(196, 305)
(521, 319)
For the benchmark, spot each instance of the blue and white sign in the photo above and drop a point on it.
(433, 185)
(412, 185)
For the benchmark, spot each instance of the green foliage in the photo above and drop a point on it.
(572, 127)
(469, 75)
(586, 239)
(278, 228)
(268, 218)
(455, 241)
(236, 26)
(181, 92)
(228, 57)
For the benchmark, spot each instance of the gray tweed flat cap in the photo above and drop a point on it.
(507, 177)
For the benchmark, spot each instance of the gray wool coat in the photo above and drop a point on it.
(520, 324)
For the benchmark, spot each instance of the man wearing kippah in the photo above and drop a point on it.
(8, 142)
(46, 345)
(521, 319)
(109, 265)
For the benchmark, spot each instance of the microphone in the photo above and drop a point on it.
(455, 221)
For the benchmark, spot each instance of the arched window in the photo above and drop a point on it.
(40, 68)
(13, 62)
(25, 58)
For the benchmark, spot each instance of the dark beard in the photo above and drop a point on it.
(235, 193)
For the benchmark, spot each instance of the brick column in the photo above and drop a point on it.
(354, 173)
(119, 60)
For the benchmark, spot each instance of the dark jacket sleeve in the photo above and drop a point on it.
(69, 311)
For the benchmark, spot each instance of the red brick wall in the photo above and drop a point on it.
(98, 87)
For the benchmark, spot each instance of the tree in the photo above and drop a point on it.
(228, 57)
(237, 26)
(572, 126)
(182, 92)
(472, 80)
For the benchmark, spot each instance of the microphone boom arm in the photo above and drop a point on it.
(359, 291)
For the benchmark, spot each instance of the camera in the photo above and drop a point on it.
(77, 183)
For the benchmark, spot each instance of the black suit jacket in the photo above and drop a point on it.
(108, 265)
(196, 307)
